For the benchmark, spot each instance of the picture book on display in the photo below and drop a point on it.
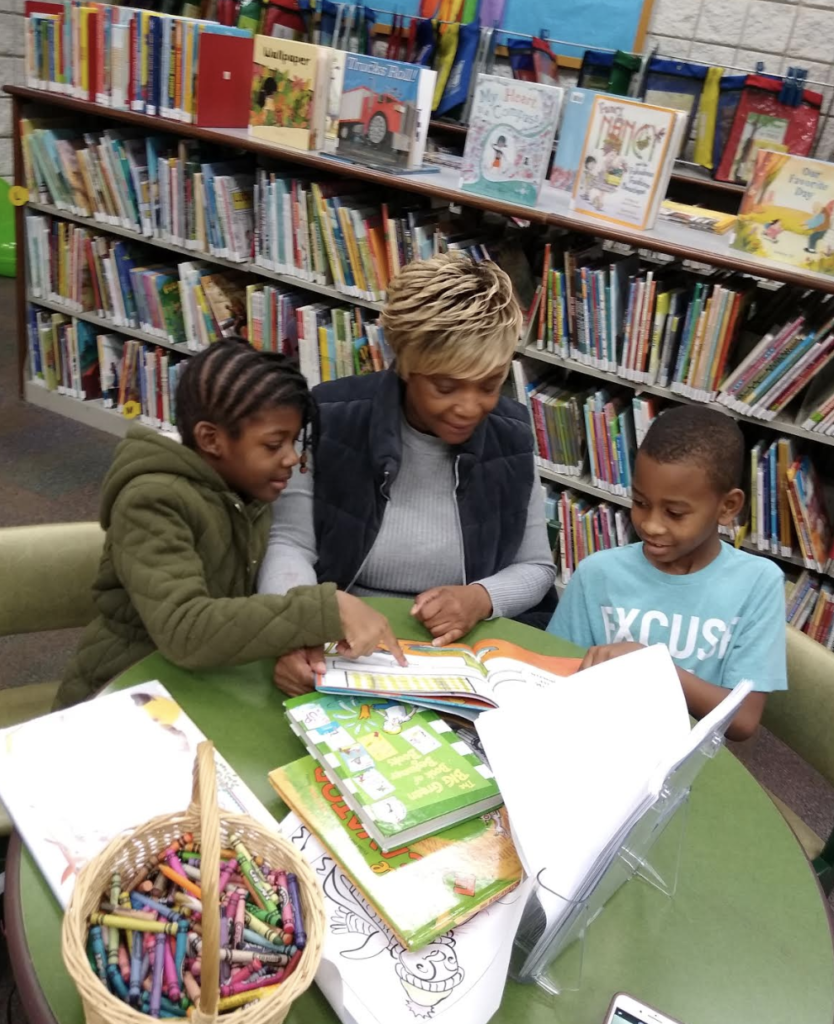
(401, 769)
(786, 213)
(420, 890)
(460, 679)
(626, 160)
(578, 104)
(290, 83)
(384, 112)
(369, 977)
(510, 138)
(50, 767)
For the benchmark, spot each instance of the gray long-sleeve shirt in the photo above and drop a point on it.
(419, 543)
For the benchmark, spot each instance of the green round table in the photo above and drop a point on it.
(746, 939)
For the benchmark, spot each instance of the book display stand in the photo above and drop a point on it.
(549, 944)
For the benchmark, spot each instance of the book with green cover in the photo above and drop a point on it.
(420, 890)
(400, 768)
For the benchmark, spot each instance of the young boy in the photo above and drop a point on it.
(187, 528)
(719, 611)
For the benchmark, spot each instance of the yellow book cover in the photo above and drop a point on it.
(84, 68)
(189, 40)
(786, 213)
(285, 80)
(323, 215)
(324, 356)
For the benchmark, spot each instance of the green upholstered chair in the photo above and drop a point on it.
(46, 580)
(803, 718)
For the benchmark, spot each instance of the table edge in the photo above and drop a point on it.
(32, 997)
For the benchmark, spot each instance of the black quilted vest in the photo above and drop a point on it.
(358, 456)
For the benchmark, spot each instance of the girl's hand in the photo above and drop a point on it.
(449, 613)
(365, 629)
(597, 655)
(296, 672)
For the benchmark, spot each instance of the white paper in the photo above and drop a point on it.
(73, 780)
(369, 978)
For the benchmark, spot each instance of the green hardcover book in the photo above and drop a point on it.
(420, 890)
(400, 768)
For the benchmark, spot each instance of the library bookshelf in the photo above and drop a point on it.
(694, 250)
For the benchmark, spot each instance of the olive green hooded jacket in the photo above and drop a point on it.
(179, 570)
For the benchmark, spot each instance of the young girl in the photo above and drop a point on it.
(187, 527)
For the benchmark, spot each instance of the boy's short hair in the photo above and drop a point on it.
(707, 437)
(450, 315)
(231, 381)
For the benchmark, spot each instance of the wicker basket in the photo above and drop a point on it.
(128, 854)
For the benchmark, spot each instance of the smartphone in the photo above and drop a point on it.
(625, 1009)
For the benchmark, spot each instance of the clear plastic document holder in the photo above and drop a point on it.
(549, 944)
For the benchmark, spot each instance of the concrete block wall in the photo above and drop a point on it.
(782, 33)
(11, 72)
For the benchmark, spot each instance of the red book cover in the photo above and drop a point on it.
(224, 81)
(94, 54)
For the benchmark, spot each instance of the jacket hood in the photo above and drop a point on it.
(145, 451)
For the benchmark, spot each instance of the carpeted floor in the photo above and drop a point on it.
(50, 471)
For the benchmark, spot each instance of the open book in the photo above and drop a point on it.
(460, 679)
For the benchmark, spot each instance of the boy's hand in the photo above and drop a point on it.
(448, 613)
(597, 655)
(295, 673)
(365, 629)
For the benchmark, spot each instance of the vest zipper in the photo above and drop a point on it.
(457, 517)
(383, 490)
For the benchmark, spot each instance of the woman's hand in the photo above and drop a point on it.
(597, 655)
(448, 613)
(365, 629)
(296, 672)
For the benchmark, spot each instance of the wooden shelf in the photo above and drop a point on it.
(781, 425)
(553, 208)
(108, 325)
(197, 254)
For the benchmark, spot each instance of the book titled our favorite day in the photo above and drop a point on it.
(510, 138)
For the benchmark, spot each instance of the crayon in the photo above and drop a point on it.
(259, 902)
(182, 899)
(99, 955)
(252, 873)
(135, 969)
(287, 918)
(299, 935)
(253, 939)
(169, 971)
(181, 881)
(226, 872)
(250, 986)
(156, 988)
(123, 905)
(273, 935)
(244, 973)
(124, 962)
(159, 886)
(157, 927)
(145, 903)
(114, 977)
(192, 988)
(106, 907)
(291, 966)
(188, 871)
(233, 1002)
(190, 855)
(180, 949)
(166, 1007)
(239, 920)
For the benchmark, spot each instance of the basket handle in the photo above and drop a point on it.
(204, 803)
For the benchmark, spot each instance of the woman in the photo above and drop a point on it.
(424, 484)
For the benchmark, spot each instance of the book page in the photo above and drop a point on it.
(511, 669)
(452, 670)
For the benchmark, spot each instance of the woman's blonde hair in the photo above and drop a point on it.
(450, 315)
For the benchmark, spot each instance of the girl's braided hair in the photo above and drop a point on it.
(231, 381)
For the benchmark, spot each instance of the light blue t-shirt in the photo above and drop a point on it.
(724, 623)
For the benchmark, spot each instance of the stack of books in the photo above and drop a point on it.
(810, 607)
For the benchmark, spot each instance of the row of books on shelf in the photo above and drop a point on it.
(318, 230)
(708, 337)
(585, 527)
(810, 607)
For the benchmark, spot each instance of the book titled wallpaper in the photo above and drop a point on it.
(401, 769)
(420, 890)
(786, 211)
(510, 138)
(625, 161)
(289, 92)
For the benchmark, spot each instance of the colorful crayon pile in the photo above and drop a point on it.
(145, 943)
